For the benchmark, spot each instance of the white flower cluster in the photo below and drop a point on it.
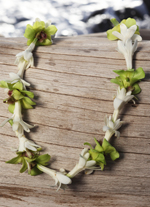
(127, 44)
(24, 60)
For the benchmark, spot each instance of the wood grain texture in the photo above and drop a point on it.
(71, 82)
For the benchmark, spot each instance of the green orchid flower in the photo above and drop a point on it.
(128, 79)
(127, 22)
(16, 92)
(41, 31)
(98, 154)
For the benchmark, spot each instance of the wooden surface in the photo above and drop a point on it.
(71, 82)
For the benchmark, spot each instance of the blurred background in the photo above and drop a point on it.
(71, 17)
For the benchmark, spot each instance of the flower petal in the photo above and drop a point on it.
(14, 76)
(90, 163)
(5, 121)
(105, 128)
(136, 37)
(27, 55)
(84, 151)
(118, 35)
(86, 156)
(121, 47)
(128, 98)
(26, 126)
(15, 126)
(88, 172)
(123, 29)
(29, 146)
(63, 178)
(20, 54)
(48, 23)
(82, 162)
(118, 103)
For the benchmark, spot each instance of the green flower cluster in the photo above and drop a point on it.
(16, 92)
(98, 154)
(29, 160)
(41, 31)
(129, 79)
(128, 22)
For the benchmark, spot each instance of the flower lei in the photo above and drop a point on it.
(19, 99)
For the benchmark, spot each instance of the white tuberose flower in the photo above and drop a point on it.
(59, 177)
(14, 78)
(127, 49)
(122, 98)
(111, 127)
(25, 59)
(127, 33)
(83, 164)
(125, 46)
(17, 119)
(24, 144)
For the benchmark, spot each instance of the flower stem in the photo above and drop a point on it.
(17, 110)
(115, 115)
(108, 135)
(128, 58)
(21, 72)
(74, 172)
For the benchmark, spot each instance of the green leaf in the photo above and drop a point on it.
(110, 36)
(129, 78)
(98, 146)
(3, 84)
(109, 149)
(29, 160)
(25, 105)
(138, 75)
(43, 159)
(29, 32)
(18, 86)
(101, 165)
(117, 80)
(93, 153)
(86, 143)
(114, 21)
(11, 122)
(29, 101)
(11, 108)
(15, 160)
(51, 30)
(105, 144)
(29, 41)
(35, 171)
(24, 166)
(114, 155)
(38, 26)
(39, 149)
(97, 156)
(137, 89)
(100, 158)
(129, 22)
(29, 93)
(17, 95)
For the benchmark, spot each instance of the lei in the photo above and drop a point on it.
(20, 99)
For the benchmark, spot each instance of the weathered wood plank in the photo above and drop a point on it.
(75, 85)
(71, 82)
(24, 196)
